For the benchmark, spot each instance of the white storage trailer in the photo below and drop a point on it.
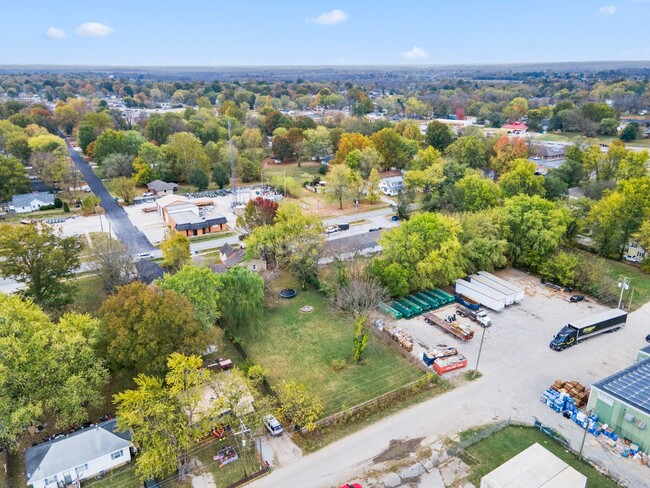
(484, 282)
(519, 291)
(490, 299)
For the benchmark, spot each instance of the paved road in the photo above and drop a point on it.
(510, 390)
(134, 240)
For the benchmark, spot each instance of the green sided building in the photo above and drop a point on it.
(622, 401)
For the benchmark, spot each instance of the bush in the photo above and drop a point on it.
(323, 169)
(66, 207)
(339, 364)
(58, 203)
(47, 207)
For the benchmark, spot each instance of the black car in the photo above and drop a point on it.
(577, 298)
(647, 338)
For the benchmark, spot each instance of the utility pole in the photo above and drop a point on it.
(629, 305)
(623, 284)
(584, 435)
(480, 348)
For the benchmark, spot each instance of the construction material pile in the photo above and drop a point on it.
(578, 392)
(398, 335)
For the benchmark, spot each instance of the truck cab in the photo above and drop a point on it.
(563, 339)
(483, 318)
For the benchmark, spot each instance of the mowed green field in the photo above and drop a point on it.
(294, 345)
(489, 453)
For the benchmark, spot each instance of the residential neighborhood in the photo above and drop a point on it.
(364, 252)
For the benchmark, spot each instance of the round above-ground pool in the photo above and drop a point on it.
(288, 293)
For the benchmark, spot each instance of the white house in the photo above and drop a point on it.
(31, 202)
(84, 454)
(634, 252)
(392, 185)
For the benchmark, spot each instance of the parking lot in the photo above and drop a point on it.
(520, 334)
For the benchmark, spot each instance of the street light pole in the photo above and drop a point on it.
(623, 284)
(584, 436)
(480, 348)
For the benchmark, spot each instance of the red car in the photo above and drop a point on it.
(351, 485)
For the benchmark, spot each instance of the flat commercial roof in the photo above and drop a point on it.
(631, 385)
(189, 220)
(609, 314)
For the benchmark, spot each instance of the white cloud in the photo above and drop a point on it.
(335, 16)
(608, 9)
(54, 33)
(415, 53)
(94, 29)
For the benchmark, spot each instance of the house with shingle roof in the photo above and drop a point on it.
(81, 455)
(30, 202)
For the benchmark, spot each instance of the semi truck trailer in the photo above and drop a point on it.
(519, 291)
(490, 299)
(483, 282)
(577, 331)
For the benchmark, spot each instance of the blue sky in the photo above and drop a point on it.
(282, 32)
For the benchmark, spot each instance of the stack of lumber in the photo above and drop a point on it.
(574, 389)
(398, 335)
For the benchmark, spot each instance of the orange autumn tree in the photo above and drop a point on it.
(506, 150)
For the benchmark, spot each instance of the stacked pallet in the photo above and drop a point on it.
(574, 389)
(399, 336)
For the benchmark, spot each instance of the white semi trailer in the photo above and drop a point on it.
(486, 297)
(519, 291)
(484, 282)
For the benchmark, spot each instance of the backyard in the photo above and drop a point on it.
(315, 348)
(489, 453)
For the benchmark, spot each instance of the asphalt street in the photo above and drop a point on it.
(134, 240)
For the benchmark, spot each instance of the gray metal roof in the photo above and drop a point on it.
(631, 385)
(587, 321)
(159, 185)
(27, 198)
(53, 457)
(189, 220)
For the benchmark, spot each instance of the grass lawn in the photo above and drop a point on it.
(491, 452)
(570, 136)
(303, 347)
(305, 172)
(124, 477)
(639, 281)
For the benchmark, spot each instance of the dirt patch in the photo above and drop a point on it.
(398, 449)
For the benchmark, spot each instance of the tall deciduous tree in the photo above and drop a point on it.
(339, 182)
(507, 150)
(478, 192)
(46, 369)
(13, 178)
(241, 299)
(535, 228)
(176, 250)
(439, 135)
(142, 325)
(427, 246)
(124, 188)
(318, 142)
(469, 151)
(297, 405)
(112, 262)
(201, 287)
(520, 179)
(42, 259)
(258, 211)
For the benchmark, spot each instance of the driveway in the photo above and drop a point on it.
(517, 366)
(134, 240)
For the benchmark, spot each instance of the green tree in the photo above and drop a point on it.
(66, 116)
(13, 178)
(395, 150)
(18, 146)
(439, 135)
(112, 262)
(157, 129)
(48, 369)
(42, 259)
(183, 152)
(427, 246)
(561, 268)
(89, 205)
(201, 287)
(608, 127)
(555, 187)
(124, 188)
(393, 276)
(142, 325)
(297, 405)
(483, 240)
(631, 132)
(144, 173)
(520, 179)
(241, 300)
(596, 112)
(169, 417)
(534, 229)
(339, 181)
(198, 178)
(360, 339)
(478, 192)
(373, 186)
(51, 167)
(117, 164)
(176, 250)
(633, 165)
(469, 151)
(221, 175)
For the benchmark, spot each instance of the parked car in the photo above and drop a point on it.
(577, 298)
(647, 338)
(394, 218)
(633, 259)
(272, 425)
(144, 255)
(375, 229)
(351, 485)
(147, 194)
(151, 483)
(331, 230)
